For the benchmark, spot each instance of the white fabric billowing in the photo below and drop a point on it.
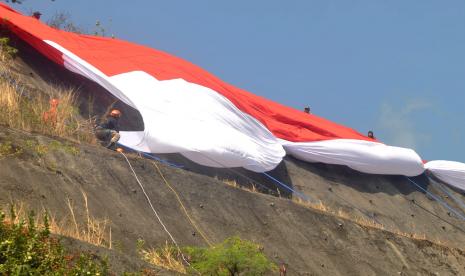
(208, 129)
(452, 173)
(187, 118)
(196, 121)
(363, 156)
(79, 66)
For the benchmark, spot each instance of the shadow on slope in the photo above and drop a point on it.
(392, 201)
(309, 241)
(362, 182)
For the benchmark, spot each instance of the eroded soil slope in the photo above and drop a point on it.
(309, 241)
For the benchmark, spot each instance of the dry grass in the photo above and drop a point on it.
(27, 112)
(9, 103)
(317, 206)
(233, 183)
(415, 236)
(166, 257)
(363, 221)
(91, 230)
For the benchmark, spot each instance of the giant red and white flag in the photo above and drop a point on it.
(187, 110)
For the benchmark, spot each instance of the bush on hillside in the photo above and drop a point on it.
(7, 52)
(27, 250)
(234, 256)
(28, 112)
(167, 256)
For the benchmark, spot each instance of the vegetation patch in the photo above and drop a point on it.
(7, 52)
(57, 116)
(85, 228)
(167, 257)
(68, 148)
(26, 249)
(232, 257)
(8, 149)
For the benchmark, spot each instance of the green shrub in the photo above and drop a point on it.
(232, 257)
(27, 250)
(7, 148)
(6, 51)
(57, 146)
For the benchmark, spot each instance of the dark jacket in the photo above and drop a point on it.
(110, 123)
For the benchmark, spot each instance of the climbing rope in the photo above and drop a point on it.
(436, 216)
(301, 195)
(182, 205)
(437, 199)
(235, 172)
(367, 214)
(153, 209)
(287, 187)
(442, 188)
(151, 156)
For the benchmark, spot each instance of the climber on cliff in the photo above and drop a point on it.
(108, 130)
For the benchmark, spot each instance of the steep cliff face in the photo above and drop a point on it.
(310, 241)
(353, 224)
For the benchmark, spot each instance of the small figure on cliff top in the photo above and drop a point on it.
(36, 15)
(371, 135)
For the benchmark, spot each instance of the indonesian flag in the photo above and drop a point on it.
(189, 111)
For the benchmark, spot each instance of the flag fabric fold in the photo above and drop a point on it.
(187, 110)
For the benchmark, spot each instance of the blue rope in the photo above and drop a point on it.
(153, 157)
(457, 200)
(301, 195)
(305, 197)
(437, 199)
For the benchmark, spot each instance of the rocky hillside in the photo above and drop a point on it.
(310, 241)
(351, 224)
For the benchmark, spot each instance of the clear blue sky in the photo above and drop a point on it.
(397, 67)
